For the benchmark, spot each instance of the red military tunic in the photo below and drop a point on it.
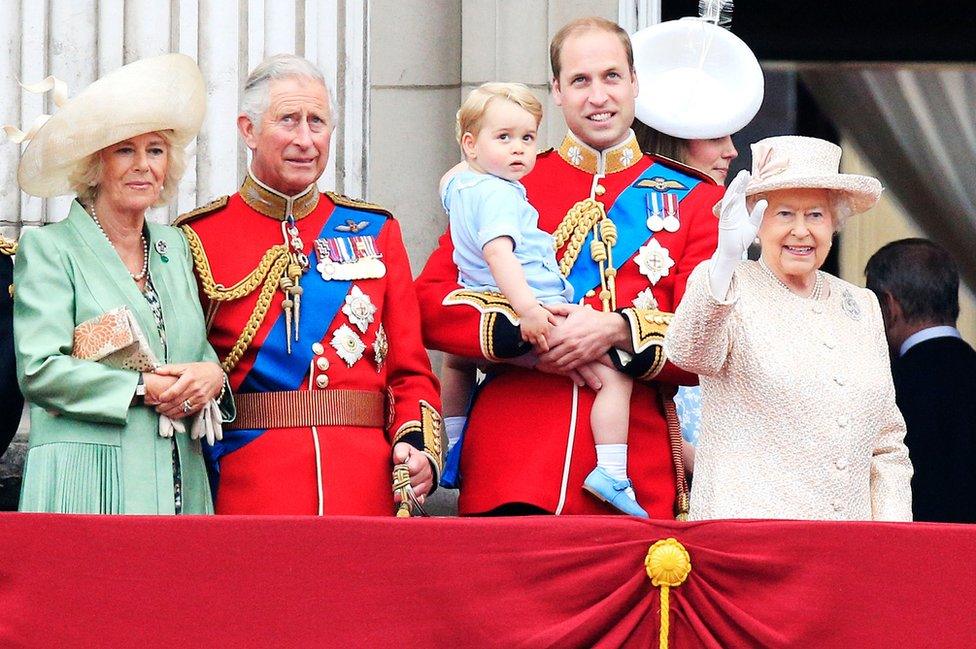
(528, 438)
(358, 345)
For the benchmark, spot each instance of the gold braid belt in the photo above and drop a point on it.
(268, 273)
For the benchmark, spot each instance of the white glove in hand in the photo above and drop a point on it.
(207, 423)
(737, 228)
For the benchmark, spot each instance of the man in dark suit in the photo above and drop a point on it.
(11, 403)
(934, 372)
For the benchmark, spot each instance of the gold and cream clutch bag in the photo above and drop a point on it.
(115, 339)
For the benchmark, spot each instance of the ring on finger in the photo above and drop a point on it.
(186, 406)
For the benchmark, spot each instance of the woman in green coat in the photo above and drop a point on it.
(102, 437)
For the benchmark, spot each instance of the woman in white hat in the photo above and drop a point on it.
(102, 437)
(798, 409)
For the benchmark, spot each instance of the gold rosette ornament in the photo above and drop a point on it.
(668, 565)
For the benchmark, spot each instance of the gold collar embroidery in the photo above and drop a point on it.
(272, 203)
(609, 161)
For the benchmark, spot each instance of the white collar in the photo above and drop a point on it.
(940, 331)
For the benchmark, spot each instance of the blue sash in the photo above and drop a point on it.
(629, 214)
(274, 368)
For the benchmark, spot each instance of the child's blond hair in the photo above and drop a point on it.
(472, 111)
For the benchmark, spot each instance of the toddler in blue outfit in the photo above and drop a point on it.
(499, 247)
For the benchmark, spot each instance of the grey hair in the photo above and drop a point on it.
(256, 94)
(840, 203)
(85, 176)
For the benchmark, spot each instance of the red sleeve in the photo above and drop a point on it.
(462, 328)
(413, 390)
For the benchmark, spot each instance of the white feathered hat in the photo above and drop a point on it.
(697, 81)
(162, 93)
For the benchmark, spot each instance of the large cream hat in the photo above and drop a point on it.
(794, 162)
(162, 93)
(697, 81)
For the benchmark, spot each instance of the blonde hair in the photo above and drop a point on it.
(84, 177)
(475, 105)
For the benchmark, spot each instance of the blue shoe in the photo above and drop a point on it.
(613, 492)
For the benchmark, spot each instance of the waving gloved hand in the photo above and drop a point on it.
(737, 228)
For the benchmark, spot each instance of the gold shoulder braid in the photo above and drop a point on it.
(346, 201)
(192, 215)
(272, 267)
(586, 215)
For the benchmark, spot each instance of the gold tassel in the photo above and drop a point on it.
(668, 565)
(401, 482)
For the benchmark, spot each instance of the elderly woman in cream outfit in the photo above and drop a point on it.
(798, 408)
(102, 437)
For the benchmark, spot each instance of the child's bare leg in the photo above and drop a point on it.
(457, 382)
(610, 416)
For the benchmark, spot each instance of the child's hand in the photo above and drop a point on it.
(536, 323)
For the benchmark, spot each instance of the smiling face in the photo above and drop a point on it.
(796, 232)
(596, 88)
(291, 144)
(505, 145)
(132, 173)
(712, 157)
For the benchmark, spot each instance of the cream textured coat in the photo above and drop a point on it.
(798, 408)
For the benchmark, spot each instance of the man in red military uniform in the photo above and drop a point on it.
(629, 228)
(332, 384)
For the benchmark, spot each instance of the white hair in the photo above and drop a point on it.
(256, 95)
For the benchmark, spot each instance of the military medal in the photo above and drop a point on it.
(654, 261)
(652, 201)
(381, 347)
(348, 258)
(359, 308)
(670, 221)
(347, 344)
(645, 300)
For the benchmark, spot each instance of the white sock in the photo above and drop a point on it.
(453, 427)
(612, 458)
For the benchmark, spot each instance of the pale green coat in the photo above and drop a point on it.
(90, 451)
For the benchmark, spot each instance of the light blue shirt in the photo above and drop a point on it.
(483, 207)
(940, 331)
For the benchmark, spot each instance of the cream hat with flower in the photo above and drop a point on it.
(794, 162)
(162, 93)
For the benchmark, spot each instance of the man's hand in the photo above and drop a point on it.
(421, 475)
(584, 336)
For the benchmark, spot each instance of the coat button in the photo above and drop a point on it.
(843, 420)
(317, 348)
(838, 505)
(840, 380)
(817, 308)
(322, 363)
(841, 463)
(321, 380)
(829, 344)
(600, 190)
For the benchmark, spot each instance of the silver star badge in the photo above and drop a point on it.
(359, 308)
(347, 345)
(654, 261)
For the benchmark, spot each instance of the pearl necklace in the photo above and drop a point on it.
(141, 275)
(817, 285)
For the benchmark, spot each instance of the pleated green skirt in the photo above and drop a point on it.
(72, 478)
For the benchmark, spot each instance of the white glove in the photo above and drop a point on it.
(167, 426)
(207, 423)
(737, 228)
